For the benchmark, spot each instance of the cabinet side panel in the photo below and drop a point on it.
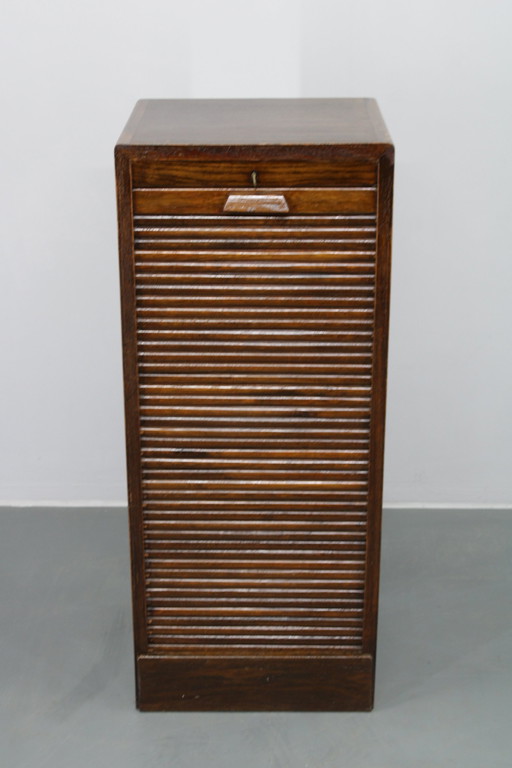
(379, 374)
(131, 396)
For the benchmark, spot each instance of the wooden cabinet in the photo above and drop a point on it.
(255, 260)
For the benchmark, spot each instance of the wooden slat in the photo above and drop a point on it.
(344, 248)
(260, 281)
(233, 472)
(247, 441)
(308, 200)
(358, 221)
(348, 518)
(177, 398)
(253, 572)
(291, 251)
(349, 624)
(288, 320)
(258, 613)
(283, 337)
(248, 230)
(351, 271)
(237, 173)
(349, 531)
(316, 310)
(251, 367)
(351, 552)
(299, 346)
(162, 510)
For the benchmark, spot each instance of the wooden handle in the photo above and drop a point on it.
(256, 204)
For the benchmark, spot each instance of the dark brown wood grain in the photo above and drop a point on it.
(379, 377)
(131, 397)
(255, 345)
(302, 200)
(269, 173)
(276, 123)
(251, 683)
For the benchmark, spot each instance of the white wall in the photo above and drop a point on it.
(442, 72)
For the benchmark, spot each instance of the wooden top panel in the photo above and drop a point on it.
(254, 122)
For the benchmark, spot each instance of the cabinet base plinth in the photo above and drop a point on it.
(331, 683)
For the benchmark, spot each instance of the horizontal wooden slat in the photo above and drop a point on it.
(337, 322)
(307, 221)
(250, 231)
(251, 383)
(267, 499)
(168, 513)
(292, 251)
(219, 402)
(248, 367)
(173, 512)
(348, 365)
(245, 541)
(255, 427)
(165, 639)
(349, 461)
(249, 617)
(233, 500)
(328, 483)
(156, 526)
(163, 642)
(190, 279)
(199, 473)
(258, 602)
(250, 550)
(195, 550)
(301, 349)
(169, 298)
(350, 624)
(237, 647)
(348, 316)
(283, 337)
(212, 201)
(257, 509)
(298, 346)
(352, 361)
(214, 442)
(219, 296)
(271, 428)
(237, 173)
(284, 537)
(197, 634)
(269, 454)
(303, 531)
(260, 419)
(168, 543)
(354, 271)
(238, 247)
(348, 582)
(194, 595)
(161, 598)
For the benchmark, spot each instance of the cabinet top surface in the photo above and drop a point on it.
(250, 122)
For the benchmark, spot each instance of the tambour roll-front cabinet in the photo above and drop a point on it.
(255, 263)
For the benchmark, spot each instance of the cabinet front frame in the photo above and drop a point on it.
(148, 696)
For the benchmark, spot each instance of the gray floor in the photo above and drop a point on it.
(444, 682)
